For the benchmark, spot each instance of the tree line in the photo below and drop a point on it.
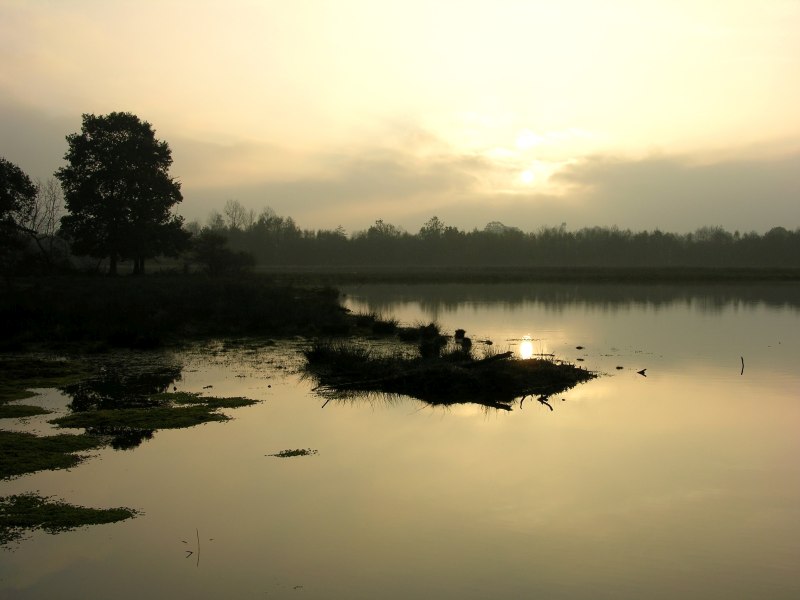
(278, 241)
(115, 201)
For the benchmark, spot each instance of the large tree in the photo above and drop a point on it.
(118, 192)
(17, 197)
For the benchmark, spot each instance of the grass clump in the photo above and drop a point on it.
(296, 452)
(22, 453)
(342, 368)
(190, 398)
(27, 512)
(156, 417)
(128, 426)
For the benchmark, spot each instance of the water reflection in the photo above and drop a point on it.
(684, 484)
(607, 297)
(526, 348)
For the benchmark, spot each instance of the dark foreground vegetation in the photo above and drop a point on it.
(439, 375)
(145, 312)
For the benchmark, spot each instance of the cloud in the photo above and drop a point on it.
(405, 175)
(679, 194)
(665, 192)
(356, 189)
(33, 139)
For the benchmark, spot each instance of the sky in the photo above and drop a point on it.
(641, 114)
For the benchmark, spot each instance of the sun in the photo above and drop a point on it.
(527, 177)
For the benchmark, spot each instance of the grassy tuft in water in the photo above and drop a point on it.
(296, 452)
(455, 376)
(27, 512)
(26, 453)
(156, 417)
(129, 425)
(189, 398)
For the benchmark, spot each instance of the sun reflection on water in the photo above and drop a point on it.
(526, 347)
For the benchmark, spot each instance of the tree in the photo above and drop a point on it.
(237, 216)
(118, 192)
(432, 229)
(41, 222)
(210, 249)
(17, 199)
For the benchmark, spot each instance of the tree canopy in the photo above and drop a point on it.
(118, 192)
(17, 196)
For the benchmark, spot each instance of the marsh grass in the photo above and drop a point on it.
(295, 452)
(22, 453)
(170, 411)
(27, 512)
(157, 417)
(455, 376)
(191, 398)
(122, 428)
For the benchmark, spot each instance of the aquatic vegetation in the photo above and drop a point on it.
(296, 452)
(157, 417)
(344, 369)
(169, 411)
(183, 398)
(27, 512)
(26, 453)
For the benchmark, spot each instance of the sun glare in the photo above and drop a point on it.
(526, 348)
(527, 177)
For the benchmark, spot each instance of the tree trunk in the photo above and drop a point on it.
(138, 265)
(112, 264)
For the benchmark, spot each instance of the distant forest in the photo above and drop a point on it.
(277, 241)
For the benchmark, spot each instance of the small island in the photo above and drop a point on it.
(442, 372)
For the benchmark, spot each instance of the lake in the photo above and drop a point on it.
(683, 482)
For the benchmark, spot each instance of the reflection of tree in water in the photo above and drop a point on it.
(122, 385)
(437, 298)
(123, 438)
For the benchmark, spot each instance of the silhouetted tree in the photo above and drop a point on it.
(17, 199)
(211, 252)
(41, 225)
(237, 216)
(118, 191)
(432, 229)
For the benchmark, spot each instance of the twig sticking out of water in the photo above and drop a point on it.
(190, 552)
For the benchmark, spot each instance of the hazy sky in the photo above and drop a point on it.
(644, 114)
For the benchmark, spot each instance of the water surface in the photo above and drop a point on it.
(683, 483)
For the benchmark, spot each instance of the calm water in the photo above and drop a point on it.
(681, 484)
